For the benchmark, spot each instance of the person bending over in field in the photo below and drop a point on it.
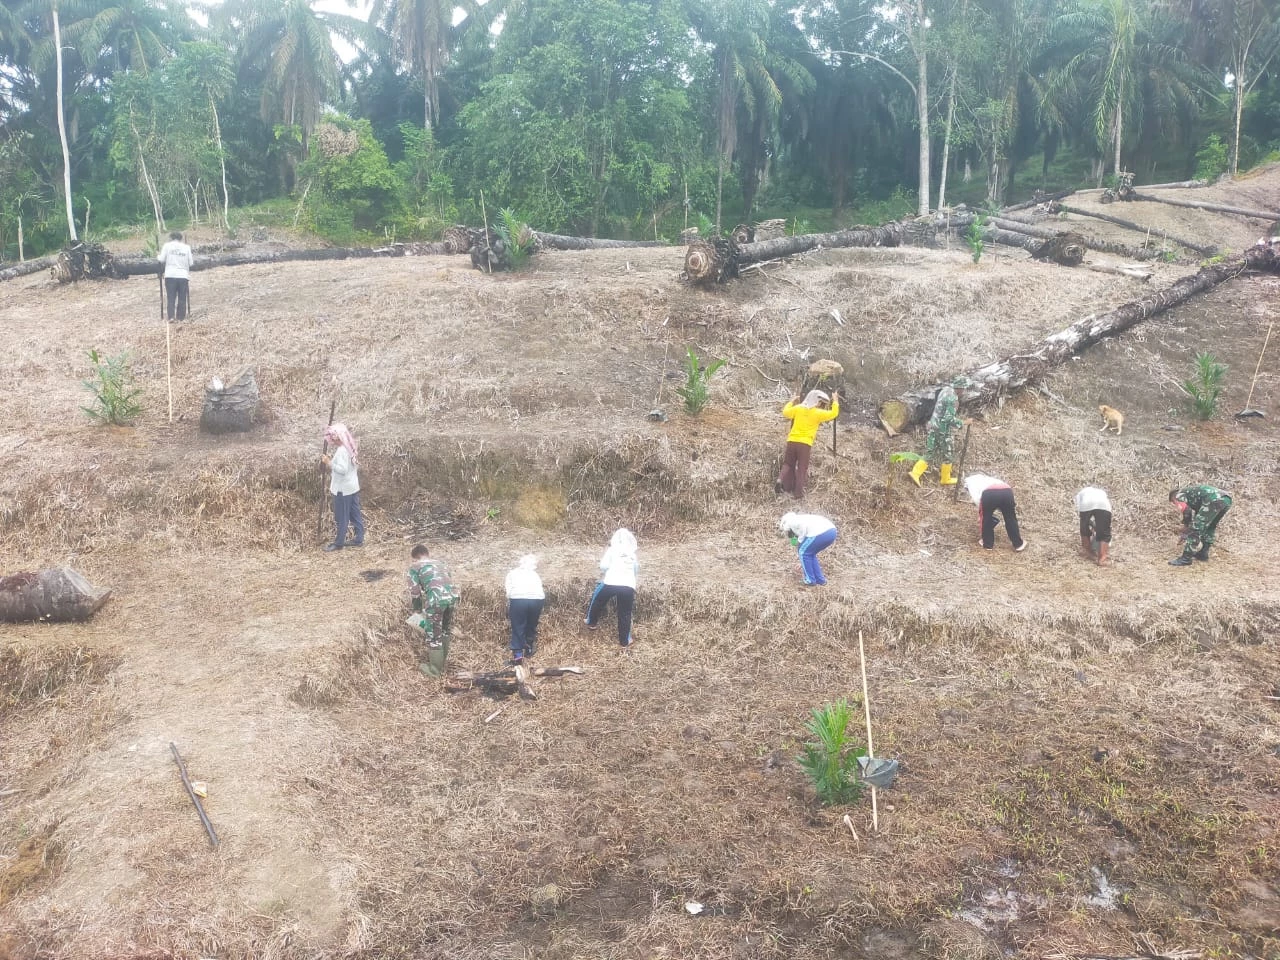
(805, 419)
(434, 597)
(994, 496)
(1202, 507)
(618, 570)
(1094, 509)
(525, 599)
(810, 534)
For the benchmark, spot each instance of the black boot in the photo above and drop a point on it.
(1183, 561)
(1202, 553)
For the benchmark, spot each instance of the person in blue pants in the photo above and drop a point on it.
(619, 568)
(810, 534)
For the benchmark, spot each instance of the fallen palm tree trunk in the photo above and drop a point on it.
(717, 259)
(1200, 248)
(990, 381)
(504, 683)
(1092, 243)
(554, 241)
(147, 266)
(27, 267)
(1036, 200)
(58, 594)
(1271, 216)
(1132, 271)
(1175, 185)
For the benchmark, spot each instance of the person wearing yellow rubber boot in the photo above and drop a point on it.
(940, 438)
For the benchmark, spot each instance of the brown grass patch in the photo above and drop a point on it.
(541, 507)
(37, 859)
(32, 676)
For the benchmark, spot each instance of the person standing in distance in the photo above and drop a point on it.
(175, 264)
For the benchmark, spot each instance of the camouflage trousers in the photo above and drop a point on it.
(940, 446)
(1204, 526)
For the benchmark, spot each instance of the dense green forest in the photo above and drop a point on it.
(608, 117)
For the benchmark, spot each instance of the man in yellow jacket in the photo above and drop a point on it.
(805, 419)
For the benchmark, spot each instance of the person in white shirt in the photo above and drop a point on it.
(175, 259)
(994, 496)
(618, 569)
(344, 484)
(1094, 509)
(810, 534)
(525, 598)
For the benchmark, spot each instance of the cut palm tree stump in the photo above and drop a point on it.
(505, 683)
(710, 260)
(995, 379)
(489, 252)
(743, 234)
(457, 239)
(1066, 248)
(87, 261)
(231, 408)
(58, 594)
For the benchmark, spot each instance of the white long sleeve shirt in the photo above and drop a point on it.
(618, 568)
(1092, 498)
(978, 483)
(803, 526)
(524, 584)
(177, 259)
(343, 477)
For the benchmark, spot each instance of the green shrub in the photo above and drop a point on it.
(694, 391)
(1212, 159)
(974, 237)
(1205, 385)
(830, 760)
(115, 398)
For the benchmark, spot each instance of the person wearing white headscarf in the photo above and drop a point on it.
(994, 496)
(810, 534)
(805, 416)
(618, 569)
(525, 598)
(344, 484)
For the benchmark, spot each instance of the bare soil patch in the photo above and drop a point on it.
(1089, 755)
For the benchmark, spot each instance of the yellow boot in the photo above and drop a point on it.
(947, 478)
(918, 470)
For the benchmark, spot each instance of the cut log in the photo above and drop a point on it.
(58, 594)
(1175, 185)
(1036, 200)
(147, 266)
(28, 267)
(743, 234)
(688, 235)
(91, 261)
(710, 260)
(770, 230)
(231, 408)
(1132, 271)
(457, 239)
(1271, 216)
(554, 241)
(1092, 243)
(1199, 248)
(990, 381)
(1066, 248)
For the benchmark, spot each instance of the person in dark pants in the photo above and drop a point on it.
(175, 263)
(525, 599)
(1202, 507)
(344, 484)
(994, 496)
(805, 416)
(1094, 509)
(618, 569)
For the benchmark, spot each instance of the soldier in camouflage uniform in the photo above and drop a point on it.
(1202, 507)
(434, 598)
(940, 438)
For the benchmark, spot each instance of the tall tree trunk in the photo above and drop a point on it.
(922, 105)
(222, 160)
(62, 128)
(1235, 148)
(946, 142)
(1119, 134)
(719, 189)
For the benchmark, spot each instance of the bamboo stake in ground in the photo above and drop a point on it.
(964, 448)
(324, 448)
(871, 750)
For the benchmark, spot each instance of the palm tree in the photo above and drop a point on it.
(423, 32)
(115, 35)
(292, 43)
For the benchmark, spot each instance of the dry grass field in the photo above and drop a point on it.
(1090, 757)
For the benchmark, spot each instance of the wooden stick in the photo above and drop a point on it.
(186, 782)
(871, 751)
(1258, 367)
(324, 448)
(168, 366)
(964, 448)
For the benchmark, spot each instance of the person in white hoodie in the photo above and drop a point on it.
(810, 534)
(618, 569)
(994, 496)
(525, 598)
(1094, 509)
(175, 264)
